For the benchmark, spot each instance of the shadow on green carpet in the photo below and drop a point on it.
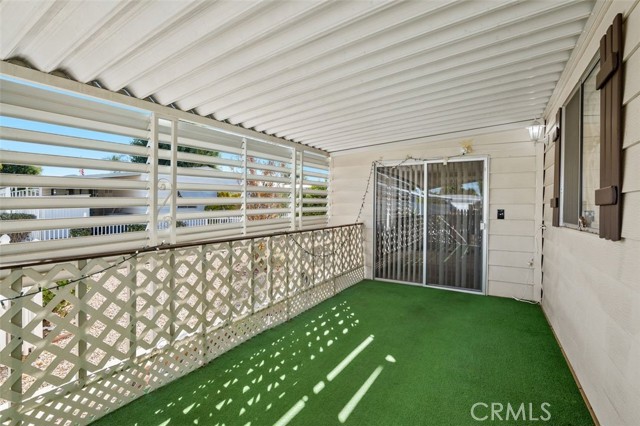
(381, 354)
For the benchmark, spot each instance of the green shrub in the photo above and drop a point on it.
(17, 237)
(136, 227)
(80, 232)
(48, 295)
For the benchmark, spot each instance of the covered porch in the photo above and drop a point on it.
(212, 209)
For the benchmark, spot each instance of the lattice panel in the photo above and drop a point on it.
(309, 298)
(131, 325)
(217, 294)
(278, 270)
(295, 271)
(319, 273)
(307, 259)
(153, 302)
(261, 282)
(241, 279)
(339, 243)
(350, 278)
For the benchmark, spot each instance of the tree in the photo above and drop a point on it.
(316, 196)
(254, 175)
(166, 162)
(20, 169)
(257, 182)
(224, 194)
(17, 237)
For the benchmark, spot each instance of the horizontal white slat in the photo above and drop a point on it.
(80, 182)
(315, 200)
(263, 222)
(193, 186)
(21, 135)
(65, 120)
(265, 200)
(269, 151)
(255, 212)
(252, 165)
(268, 226)
(14, 157)
(200, 159)
(213, 144)
(316, 160)
(206, 137)
(199, 201)
(307, 172)
(200, 235)
(262, 178)
(312, 221)
(204, 172)
(44, 254)
(268, 189)
(204, 230)
(18, 94)
(90, 244)
(314, 209)
(8, 226)
(61, 202)
(213, 214)
(314, 191)
(319, 182)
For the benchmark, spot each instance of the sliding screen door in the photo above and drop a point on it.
(400, 223)
(455, 203)
(436, 241)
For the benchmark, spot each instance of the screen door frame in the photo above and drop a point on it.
(484, 224)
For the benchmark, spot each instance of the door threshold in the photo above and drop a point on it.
(437, 287)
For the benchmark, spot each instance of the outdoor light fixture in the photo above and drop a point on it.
(536, 131)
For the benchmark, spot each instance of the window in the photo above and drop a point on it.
(581, 154)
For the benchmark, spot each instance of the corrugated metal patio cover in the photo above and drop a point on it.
(331, 74)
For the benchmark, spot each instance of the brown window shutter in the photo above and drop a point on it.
(609, 82)
(555, 201)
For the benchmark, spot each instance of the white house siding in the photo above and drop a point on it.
(512, 243)
(592, 286)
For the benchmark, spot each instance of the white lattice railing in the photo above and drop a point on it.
(134, 322)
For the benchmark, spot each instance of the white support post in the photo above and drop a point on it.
(244, 186)
(300, 190)
(174, 182)
(132, 278)
(173, 296)
(15, 395)
(81, 293)
(294, 172)
(152, 163)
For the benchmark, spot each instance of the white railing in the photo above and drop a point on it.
(118, 327)
(20, 192)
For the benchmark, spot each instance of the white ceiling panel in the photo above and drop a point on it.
(331, 74)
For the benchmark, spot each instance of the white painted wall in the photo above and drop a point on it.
(515, 165)
(592, 286)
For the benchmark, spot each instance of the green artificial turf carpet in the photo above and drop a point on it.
(381, 354)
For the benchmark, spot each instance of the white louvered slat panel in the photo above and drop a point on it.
(104, 185)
